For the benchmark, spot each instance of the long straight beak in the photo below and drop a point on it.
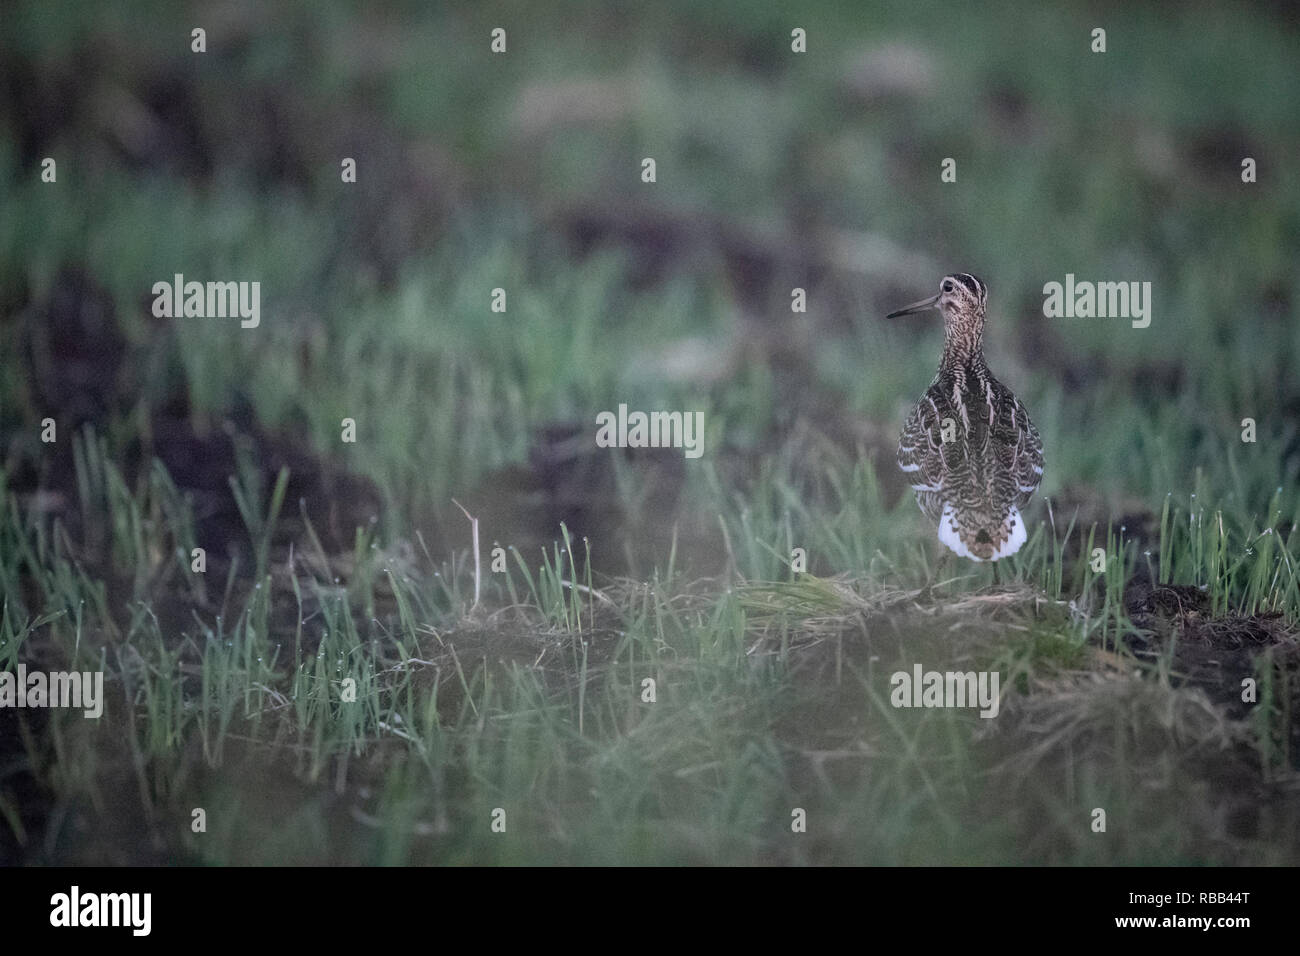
(923, 306)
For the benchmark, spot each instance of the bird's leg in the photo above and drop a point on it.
(936, 572)
(945, 560)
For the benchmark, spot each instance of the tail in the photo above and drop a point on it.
(981, 537)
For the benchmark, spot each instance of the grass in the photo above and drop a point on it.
(647, 679)
(770, 694)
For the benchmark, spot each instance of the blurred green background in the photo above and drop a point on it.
(775, 169)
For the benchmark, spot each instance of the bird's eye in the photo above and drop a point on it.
(947, 286)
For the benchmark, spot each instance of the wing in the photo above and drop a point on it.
(1025, 449)
(920, 454)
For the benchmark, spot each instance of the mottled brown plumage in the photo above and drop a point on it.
(969, 449)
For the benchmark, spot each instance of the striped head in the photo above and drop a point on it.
(961, 300)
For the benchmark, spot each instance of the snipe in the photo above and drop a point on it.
(969, 449)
